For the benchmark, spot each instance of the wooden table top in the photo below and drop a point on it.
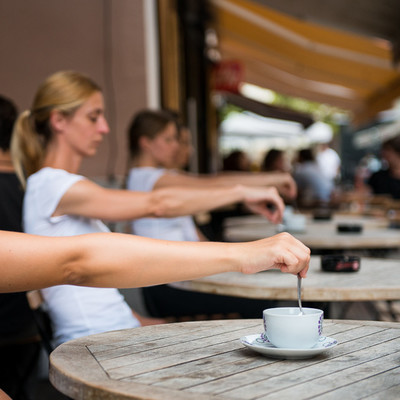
(319, 234)
(337, 218)
(377, 279)
(205, 360)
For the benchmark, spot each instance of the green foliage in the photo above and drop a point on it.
(228, 109)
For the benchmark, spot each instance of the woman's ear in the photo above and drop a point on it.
(57, 121)
(144, 142)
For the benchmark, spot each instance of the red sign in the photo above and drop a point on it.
(228, 75)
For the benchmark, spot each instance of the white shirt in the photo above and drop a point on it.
(329, 162)
(310, 182)
(183, 228)
(74, 311)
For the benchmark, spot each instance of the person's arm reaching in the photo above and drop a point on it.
(90, 200)
(119, 260)
(283, 181)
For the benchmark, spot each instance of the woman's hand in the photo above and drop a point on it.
(281, 251)
(266, 202)
(286, 186)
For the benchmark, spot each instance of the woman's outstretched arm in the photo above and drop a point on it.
(122, 261)
(87, 199)
(283, 181)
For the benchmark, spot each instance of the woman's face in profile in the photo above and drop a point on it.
(85, 129)
(164, 147)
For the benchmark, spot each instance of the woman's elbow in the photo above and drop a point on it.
(73, 274)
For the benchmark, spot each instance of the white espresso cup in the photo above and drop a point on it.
(296, 223)
(293, 223)
(285, 327)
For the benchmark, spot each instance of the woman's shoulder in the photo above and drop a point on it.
(143, 178)
(52, 176)
(49, 171)
(146, 172)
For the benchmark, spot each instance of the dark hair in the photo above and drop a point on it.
(148, 123)
(306, 155)
(232, 162)
(8, 116)
(270, 159)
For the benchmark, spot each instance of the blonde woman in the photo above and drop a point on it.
(65, 124)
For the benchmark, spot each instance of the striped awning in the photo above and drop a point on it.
(338, 52)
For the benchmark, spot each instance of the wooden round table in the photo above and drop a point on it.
(320, 235)
(377, 279)
(206, 361)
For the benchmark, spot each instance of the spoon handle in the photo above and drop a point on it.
(299, 292)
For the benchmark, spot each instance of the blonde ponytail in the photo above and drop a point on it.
(27, 150)
(64, 91)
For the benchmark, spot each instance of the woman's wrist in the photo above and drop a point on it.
(232, 254)
(239, 192)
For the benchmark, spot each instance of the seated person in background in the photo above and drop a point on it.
(153, 143)
(237, 160)
(329, 162)
(154, 147)
(387, 180)
(66, 124)
(275, 160)
(19, 341)
(313, 187)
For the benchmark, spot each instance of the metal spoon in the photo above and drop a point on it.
(299, 293)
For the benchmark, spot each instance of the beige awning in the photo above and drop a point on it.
(296, 57)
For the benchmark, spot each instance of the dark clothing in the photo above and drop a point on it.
(11, 197)
(382, 182)
(19, 341)
(18, 368)
(14, 307)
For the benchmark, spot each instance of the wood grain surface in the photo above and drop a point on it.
(205, 360)
(377, 279)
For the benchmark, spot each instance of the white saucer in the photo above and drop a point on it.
(262, 345)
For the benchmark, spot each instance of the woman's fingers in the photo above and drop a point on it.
(288, 187)
(266, 202)
(296, 256)
(292, 256)
(281, 251)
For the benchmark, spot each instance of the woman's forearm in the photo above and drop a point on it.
(177, 201)
(281, 180)
(174, 201)
(122, 205)
(139, 261)
(122, 261)
(92, 201)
